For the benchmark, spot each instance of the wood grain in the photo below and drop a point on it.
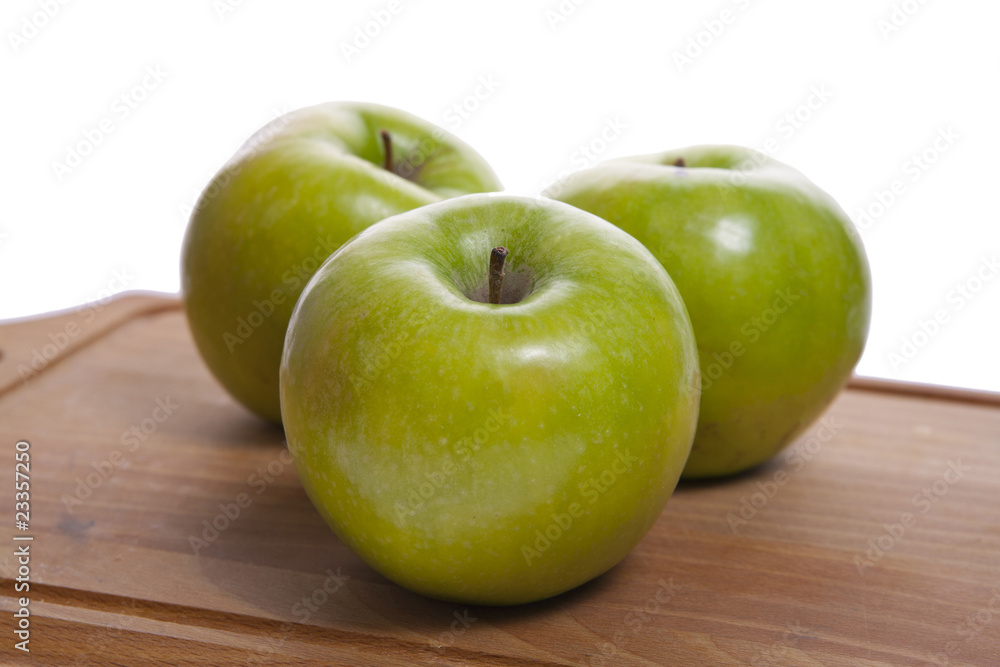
(115, 578)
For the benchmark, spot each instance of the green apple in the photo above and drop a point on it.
(774, 277)
(482, 436)
(293, 194)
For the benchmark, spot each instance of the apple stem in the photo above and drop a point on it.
(387, 146)
(497, 258)
(679, 162)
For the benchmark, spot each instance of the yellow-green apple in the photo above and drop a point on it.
(490, 430)
(293, 194)
(774, 277)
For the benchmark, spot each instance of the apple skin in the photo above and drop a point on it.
(436, 433)
(293, 194)
(774, 277)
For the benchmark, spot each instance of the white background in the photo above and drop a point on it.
(892, 77)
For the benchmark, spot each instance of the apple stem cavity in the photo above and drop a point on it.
(497, 258)
(387, 146)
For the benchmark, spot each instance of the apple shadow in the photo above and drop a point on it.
(280, 558)
(768, 467)
(302, 555)
(236, 427)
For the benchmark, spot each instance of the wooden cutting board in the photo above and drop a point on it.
(874, 540)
